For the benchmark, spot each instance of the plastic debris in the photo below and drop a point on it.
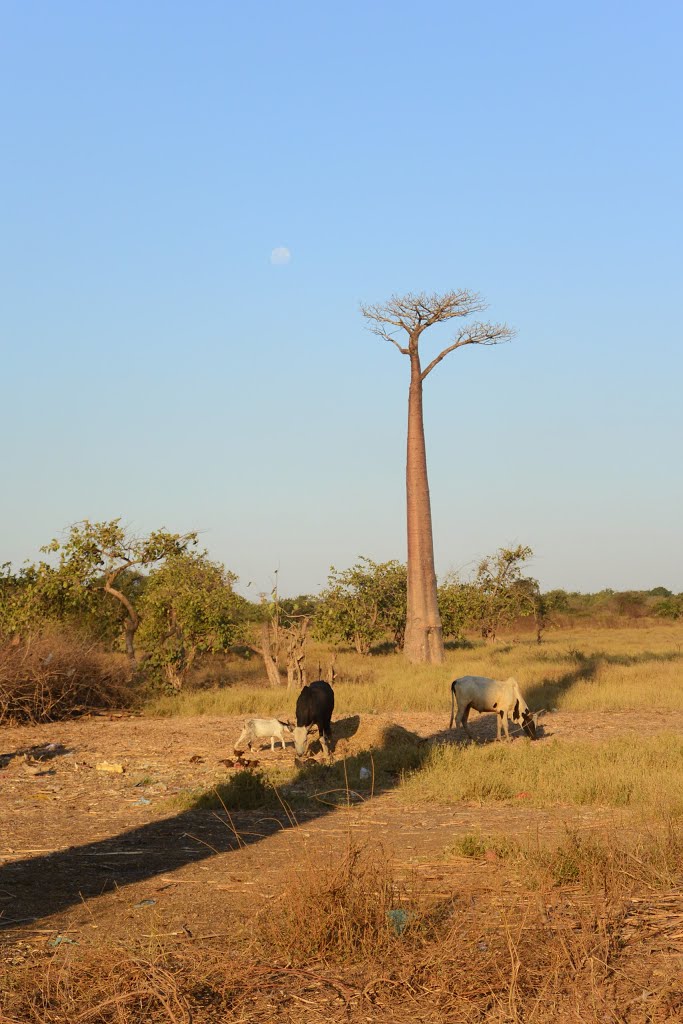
(398, 919)
(142, 801)
(108, 766)
(60, 940)
(144, 903)
(364, 773)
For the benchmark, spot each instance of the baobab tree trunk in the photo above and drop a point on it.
(414, 314)
(424, 634)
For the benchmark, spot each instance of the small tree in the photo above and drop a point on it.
(283, 626)
(362, 604)
(504, 592)
(670, 607)
(188, 608)
(412, 315)
(97, 556)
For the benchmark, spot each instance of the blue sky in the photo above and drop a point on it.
(157, 366)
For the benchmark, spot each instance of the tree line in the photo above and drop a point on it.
(163, 601)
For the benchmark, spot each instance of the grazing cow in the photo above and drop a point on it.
(484, 694)
(263, 729)
(314, 706)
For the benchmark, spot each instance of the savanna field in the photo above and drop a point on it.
(146, 877)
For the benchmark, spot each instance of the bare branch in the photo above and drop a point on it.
(382, 332)
(474, 334)
(414, 312)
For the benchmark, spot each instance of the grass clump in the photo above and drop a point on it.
(349, 907)
(476, 846)
(247, 790)
(613, 865)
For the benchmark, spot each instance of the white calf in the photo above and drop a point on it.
(484, 694)
(263, 729)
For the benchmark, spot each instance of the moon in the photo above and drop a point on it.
(281, 256)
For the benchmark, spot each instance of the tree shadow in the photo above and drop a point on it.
(38, 753)
(459, 644)
(345, 728)
(543, 694)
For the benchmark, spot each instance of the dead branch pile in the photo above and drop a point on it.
(55, 675)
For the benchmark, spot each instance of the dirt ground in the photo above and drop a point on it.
(85, 850)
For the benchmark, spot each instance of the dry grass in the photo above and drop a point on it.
(56, 674)
(581, 669)
(642, 773)
(561, 939)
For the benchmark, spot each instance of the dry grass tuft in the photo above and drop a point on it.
(350, 909)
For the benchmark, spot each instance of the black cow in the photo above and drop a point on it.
(314, 706)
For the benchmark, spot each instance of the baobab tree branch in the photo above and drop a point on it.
(475, 334)
(382, 332)
(415, 312)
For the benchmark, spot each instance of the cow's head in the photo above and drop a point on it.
(300, 735)
(529, 724)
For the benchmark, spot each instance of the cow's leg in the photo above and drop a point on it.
(324, 734)
(499, 721)
(272, 743)
(282, 740)
(243, 736)
(462, 720)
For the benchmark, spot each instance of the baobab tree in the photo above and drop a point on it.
(413, 314)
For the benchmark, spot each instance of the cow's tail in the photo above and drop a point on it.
(450, 724)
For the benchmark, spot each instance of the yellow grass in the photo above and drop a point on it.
(578, 670)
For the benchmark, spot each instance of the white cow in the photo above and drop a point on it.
(482, 694)
(263, 729)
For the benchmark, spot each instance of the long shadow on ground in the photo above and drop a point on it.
(44, 885)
